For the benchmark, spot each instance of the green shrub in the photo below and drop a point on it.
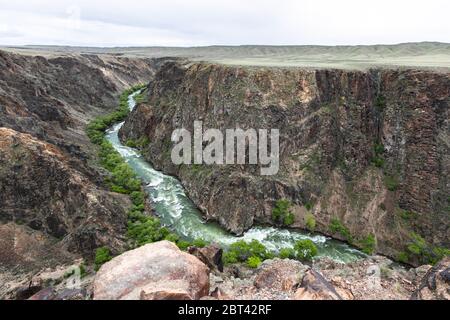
(368, 244)
(289, 219)
(138, 198)
(439, 253)
(241, 251)
(378, 159)
(310, 222)
(281, 213)
(378, 162)
(199, 243)
(131, 144)
(408, 215)
(391, 183)
(139, 98)
(402, 257)
(287, 253)
(146, 230)
(172, 238)
(305, 250)
(245, 250)
(336, 227)
(380, 103)
(254, 262)
(138, 144)
(419, 250)
(308, 206)
(125, 179)
(230, 257)
(183, 245)
(102, 255)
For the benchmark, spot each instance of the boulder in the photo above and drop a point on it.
(281, 275)
(315, 287)
(25, 293)
(157, 271)
(45, 294)
(436, 283)
(219, 294)
(210, 255)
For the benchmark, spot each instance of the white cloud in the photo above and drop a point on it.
(231, 22)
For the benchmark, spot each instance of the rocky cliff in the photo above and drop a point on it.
(369, 149)
(50, 185)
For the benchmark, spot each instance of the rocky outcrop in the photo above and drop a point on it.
(210, 255)
(436, 283)
(315, 287)
(55, 198)
(158, 271)
(373, 278)
(47, 179)
(367, 148)
(51, 189)
(280, 275)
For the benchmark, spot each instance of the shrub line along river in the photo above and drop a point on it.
(177, 212)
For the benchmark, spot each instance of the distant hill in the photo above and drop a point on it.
(424, 54)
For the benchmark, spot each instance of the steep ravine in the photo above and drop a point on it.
(368, 149)
(52, 192)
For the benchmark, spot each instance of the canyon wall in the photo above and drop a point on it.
(367, 148)
(50, 184)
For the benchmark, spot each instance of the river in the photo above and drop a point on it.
(177, 212)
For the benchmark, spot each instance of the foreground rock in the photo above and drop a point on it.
(436, 283)
(281, 275)
(373, 278)
(316, 287)
(210, 255)
(158, 271)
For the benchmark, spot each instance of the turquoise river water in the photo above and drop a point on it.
(177, 212)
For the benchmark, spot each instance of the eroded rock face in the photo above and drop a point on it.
(330, 123)
(46, 180)
(153, 272)
(436, 283)
(51, 189)
(40, 189)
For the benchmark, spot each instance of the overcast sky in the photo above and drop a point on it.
(220, 22)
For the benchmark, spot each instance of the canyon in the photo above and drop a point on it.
(54, 204)
(368, 149)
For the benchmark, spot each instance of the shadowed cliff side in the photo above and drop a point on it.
(364, 153)
(49, 181)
